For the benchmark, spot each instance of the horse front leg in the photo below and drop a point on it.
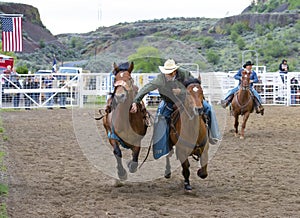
(133, 164)
(202, 172)
(186, 174)
(246, 116)
(168, 168)
(236, 124)
(118, 154)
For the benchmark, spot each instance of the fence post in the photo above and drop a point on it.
(288, 90)
(80, 90)
(1, 90)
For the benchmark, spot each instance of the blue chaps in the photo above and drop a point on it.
(162, 129)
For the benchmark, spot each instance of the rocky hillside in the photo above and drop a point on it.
(214, 44)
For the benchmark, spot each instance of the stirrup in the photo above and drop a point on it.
(224, 103)
(262, 110)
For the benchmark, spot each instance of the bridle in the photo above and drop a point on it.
(243, 86)
(183, 108)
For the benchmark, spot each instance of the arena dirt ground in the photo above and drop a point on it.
(48, 175)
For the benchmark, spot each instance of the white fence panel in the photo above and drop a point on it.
(81, 89)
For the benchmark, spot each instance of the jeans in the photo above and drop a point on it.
(16, 100)
(283, 76)
(161, 129)
(51, 101)
(62, 100)
(213, 126)
(234, 90)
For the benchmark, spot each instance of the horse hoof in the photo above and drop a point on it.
(132, 166)
(167, 175)
(236, 135)
(122, 175)
(201, 173)
(187, 187)
(242, 137)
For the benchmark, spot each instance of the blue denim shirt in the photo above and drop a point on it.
(253, 77)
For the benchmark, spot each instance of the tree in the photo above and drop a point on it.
(146, 59)
(212, 57)
(241, 43)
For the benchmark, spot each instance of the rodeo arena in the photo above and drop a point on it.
(60, 162)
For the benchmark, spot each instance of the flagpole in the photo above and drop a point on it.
(11, 15)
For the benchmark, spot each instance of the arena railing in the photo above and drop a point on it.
(90, 88)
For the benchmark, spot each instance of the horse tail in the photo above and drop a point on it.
(99, 118)
(101, 115)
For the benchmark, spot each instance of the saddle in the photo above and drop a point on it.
(141, 107)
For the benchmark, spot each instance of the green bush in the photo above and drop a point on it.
(22, 69)
(208, 42)
(241, 43)
(212, 57)
(233, 36)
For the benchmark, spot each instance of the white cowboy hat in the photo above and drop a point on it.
(169, 67)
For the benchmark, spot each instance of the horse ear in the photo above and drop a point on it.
(116, 68)
(131, 66)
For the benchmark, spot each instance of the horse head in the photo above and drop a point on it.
(123, 81)
(194, 98)
(245, 80)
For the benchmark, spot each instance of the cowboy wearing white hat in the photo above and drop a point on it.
(170, 85)
(169, 67)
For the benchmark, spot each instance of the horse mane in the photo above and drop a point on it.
(190, 81)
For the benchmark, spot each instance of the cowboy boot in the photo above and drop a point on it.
(226, 102)
(261, 109)
(258, 107)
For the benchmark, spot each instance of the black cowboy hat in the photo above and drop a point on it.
(248, 63)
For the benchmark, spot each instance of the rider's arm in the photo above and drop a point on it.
(254, 77)
(143, 91)
(238, 75)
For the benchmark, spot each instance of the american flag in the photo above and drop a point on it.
(12, 33)
(54, 65)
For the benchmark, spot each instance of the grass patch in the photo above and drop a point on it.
(3, 187)
(3, 211)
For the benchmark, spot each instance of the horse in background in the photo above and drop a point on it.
(123, 127)
(189, 134)
(242, 104)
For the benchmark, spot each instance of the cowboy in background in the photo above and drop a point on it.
(283, 69)
(253, 79)
(170, 85)
(294, 90)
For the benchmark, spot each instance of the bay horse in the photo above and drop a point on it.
(242, 104)
(189, 134)
(123, 127)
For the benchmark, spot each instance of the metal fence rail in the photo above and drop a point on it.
(35, 91)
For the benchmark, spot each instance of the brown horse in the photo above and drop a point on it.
(242, 103)
(123, 127)
(188, 133)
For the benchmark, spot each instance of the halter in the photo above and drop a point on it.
(124, 84)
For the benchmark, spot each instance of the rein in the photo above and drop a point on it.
(238, 102)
